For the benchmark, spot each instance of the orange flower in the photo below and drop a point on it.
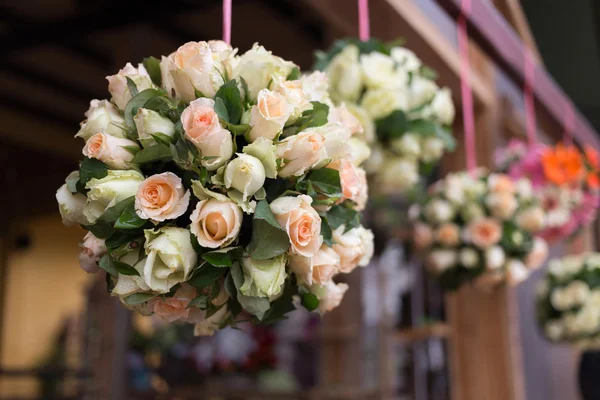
(563, 165)
(593, 164)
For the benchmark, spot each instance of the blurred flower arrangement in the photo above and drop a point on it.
(568, 300)
(403, 112)
(565, 181)
(479, 227)
(214, 183)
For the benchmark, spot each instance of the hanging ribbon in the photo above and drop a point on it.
(363, 20)
(569, 123)
(465, 86)
(529, 98)
(227, 21)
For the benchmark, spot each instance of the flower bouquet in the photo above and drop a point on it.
(568, 300)
(401, 108)
(479, 227)
(565, 180)
(214, 183)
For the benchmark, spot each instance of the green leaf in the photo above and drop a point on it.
(313, 118)
(91, 169)
(256, 306)
(125, 269)
(114, 212)
(326, 181)
(326, 232)
(119, 238)
(282, 305)
(233, 304)
(310, 301)
(206, 275)
(133, 150)
(341, 215)
(221, 110)
(229, 95)
(247, 99)
(428, 73)
(107, 264)
(392, 126)
(129, 219)
(139, 298)
(238, 130)
(158, 152)
(199, 302)
(152, 65)
(101, 230)
(198, 93)
(269, 239)
(72, 181)
(161, 138)
(295, 74)
(427, 127)
(223, 257)
(132, 86)
(136, 103)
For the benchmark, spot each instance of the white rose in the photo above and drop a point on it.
(129, 284)
(92, 249)
(71, 206)
(299, 153)
(161, 197)
(266, 152)
(438, 211)
(315, 87)
(202, 128)
(375, 163)
(501, 204)
(318, 269)
(354, 247)
(379, 70)
(102, 116)
(301, 222)
(367, 123)
(171, 258)
(379, 103)
(330, 295)
(216, 223)
(524, 188)
(359, 151)
(468, 257)
(111, 150)
(432, 149)
(406, 59)
(117, 84)
(259, 67)
(342, 115)
(337, 139)
(208, 326)
(441, 260)
(149, 122)
(263, 278)
(421, 91)
(345, 75)
(579, 292)
(398, 174)
(494, 257)
(407, 145)
(442, 107)
(110, 190)
(554, 330)
(531, 219)
(194, 66)
(471, 211)
(269, 115)
(246, 174)
(516, 272)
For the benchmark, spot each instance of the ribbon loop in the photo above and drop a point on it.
(363, 20)
(465, 87)
(227, 21)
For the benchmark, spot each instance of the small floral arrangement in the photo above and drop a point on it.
(479, 227)
(214, 183)
(400, 107)
(565, 180)
(568, 300)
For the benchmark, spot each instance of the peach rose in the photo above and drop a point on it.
(502, 204)
(216, 223)
(423, 235)
(92, 249)
(501, 183)
(110, 150)
(269, 115)
(161, 197)
(300, 152)
(538, 254)
(118, 87)
(354, 247)
(318, 269)
(353, 180)
(484, 232)
(448, 234)
(174, 308)
(330, 295)
(531, 219)
(301, 222)
(202, 128)
(343, 116)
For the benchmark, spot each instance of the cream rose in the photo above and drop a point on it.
(337, 139)
(531, 219)
(501, 183)
(299, 153)
(269, 115)
(359, 151)
(266, 152)
(468, 257)
(330, 295)
(432, 149)
(111, 150)
(318, 269)
(484, 232)
(246, 174)
(354, 247)
(538, 254)
(353, 180)
(502, 204)
(397, 174)
(442, 107)
(315, 86)
(102, 116)
(92, 249)
(202, 128)
(342, 115)
(117, 84)
(516, 272)
(171, 258)
(295, 96)
(471, 211)
(422, 235)
(365, 120)
(345, 75)
(263, 278)
(176, 308)
(448, 234)
(406, 59)
(301, 222)
(379, 70)
(71, 206)
(494, 257)
(421, 91)
(379, 103)
(438, 211)
(408, 145)
(104, 193)
(161, 197)
(149, 122)
(216, 223)
(441, 260)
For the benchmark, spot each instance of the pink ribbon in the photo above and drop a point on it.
(227, 21)
(363, 20)
(569, 123)
(529, 99)
(465, 87)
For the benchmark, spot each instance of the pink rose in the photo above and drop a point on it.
(422, 235)
(161, 197)
(301, 222)
(343, 116)
(92, 249)
(110, 150)
(174, 308)
(318, 269)
(353, 180)
(448, 234)
(484, 232)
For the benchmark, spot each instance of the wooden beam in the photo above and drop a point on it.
(514, 15)
(493, 34)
